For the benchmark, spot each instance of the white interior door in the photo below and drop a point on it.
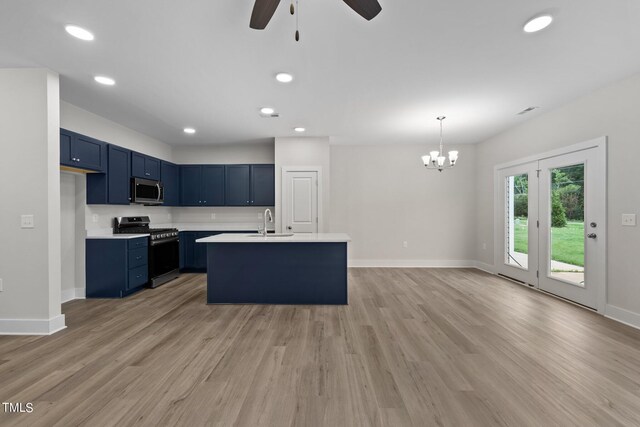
(300, 202)
(517, 245)
(572, 226)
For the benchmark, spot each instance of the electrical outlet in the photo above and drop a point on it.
(1, 286)
(95, 218)
(405, 244)
(629, 220)
(169, 216)
(213, 216)
(27, 221)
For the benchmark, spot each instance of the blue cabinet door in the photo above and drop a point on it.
(137, 165)
(263, 185)
(119, 175)
(169, 178)
(152, 168)
(66, 139)
(212, 185)
(89, 153)
(237, 185)
(190, 179)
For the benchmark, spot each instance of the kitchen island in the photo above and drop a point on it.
(300, 268)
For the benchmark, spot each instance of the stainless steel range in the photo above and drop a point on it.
(164, 247)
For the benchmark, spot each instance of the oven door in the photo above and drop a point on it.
(164, 261)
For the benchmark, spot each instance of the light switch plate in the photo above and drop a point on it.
(629, 220)
(27, 221)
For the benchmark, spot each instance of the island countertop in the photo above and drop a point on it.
(296, 238)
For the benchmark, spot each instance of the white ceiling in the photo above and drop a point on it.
(197, 63)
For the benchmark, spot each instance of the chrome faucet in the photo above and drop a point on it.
(267, 217)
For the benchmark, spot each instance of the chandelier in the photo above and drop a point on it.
(436, 159)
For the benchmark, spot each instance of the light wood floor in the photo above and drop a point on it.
(414, 347)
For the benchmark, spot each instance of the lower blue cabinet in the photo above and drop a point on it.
(193, 256)
(116, 267)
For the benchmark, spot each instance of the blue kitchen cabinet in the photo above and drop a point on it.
(212, 188)
(112, 187)
(170, 180)
(82, 152)
(263, 185)
(202, 185)
(250, 185)
(143, 166)
(237, 185)
(116, 267)
(193, 256)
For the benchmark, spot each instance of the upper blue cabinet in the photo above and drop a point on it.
(202, 185)
(170, 181)
(250, 185)
(82, 152)
(143, 166)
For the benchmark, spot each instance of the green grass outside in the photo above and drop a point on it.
(567, 242)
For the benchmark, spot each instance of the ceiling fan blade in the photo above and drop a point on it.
(368, 9)
(263, 10)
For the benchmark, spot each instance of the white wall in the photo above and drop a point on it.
(30, 148)
(383, 196)
(224, 154)
(305, 151)
(613, 111)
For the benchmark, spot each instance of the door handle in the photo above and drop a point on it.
(592, 235)
(289, 227)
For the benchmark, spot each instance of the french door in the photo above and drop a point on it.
(552, 224)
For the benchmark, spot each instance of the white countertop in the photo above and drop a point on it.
(296, 238)
(117, 236)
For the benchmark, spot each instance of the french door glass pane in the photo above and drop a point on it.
(517, 221)
(567, 224)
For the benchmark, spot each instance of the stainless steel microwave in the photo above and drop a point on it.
(146, 191)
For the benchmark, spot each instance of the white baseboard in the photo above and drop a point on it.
(487, 268)
(410, 263)
(622, 315)
(32, 326)
(71, 294)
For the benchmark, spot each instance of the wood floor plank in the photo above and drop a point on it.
(414, 347)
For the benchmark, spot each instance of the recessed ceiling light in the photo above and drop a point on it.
(79, 32)
(538, 23)
(284, 77)
(190, 131)
(299, 129)
(103, 80)
(267, 110)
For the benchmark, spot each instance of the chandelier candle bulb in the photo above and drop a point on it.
(434, 155)
(426, 159)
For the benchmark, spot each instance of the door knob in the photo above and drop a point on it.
(289, 227)
(593, 225)
(592, 235)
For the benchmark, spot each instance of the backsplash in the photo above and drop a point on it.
(101, 216)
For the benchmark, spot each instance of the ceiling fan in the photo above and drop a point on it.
(263, 10)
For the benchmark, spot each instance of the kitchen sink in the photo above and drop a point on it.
(271, 235)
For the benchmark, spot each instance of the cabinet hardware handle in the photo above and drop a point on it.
(138, 276)
(139, 257)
